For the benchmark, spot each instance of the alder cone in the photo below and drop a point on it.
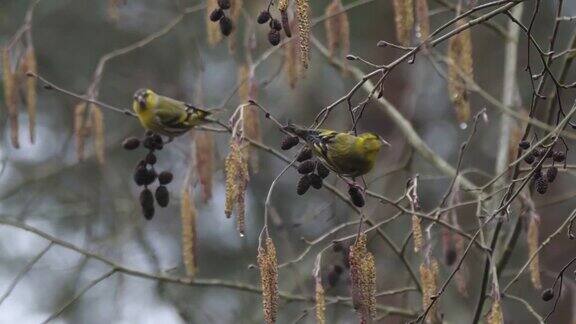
(306, 167)
(315, 180)
(274, 37)
(305, 154)
(548, 294)
(217, 14)
(289, 142)
(322, 170)
(263, 17)
(356, 197)
(165, 177)
(224, 4)
(275, 24)
(162, 196)
(303, 185)
(146, 198)
(131, 143)
(226, 26)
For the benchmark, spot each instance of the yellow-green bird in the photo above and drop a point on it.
(166, 116)
(344, 153)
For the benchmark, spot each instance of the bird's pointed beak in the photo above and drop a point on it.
(140, 100)
(384, 142)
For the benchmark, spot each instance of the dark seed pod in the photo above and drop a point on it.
(286, 23)
(140, 175)
(151, 158)
(165, 177)
(148, 133)
(549, 153)
(529, 158)
(226, 26)
(548, 294)
(149, 143)
(274, 37)
(146, 198)
(306, 167)
(305, 154)
(289, 142)
(356, 196)
(162, 196)
(559, 156)
(157, 139)
(263, 17)
(450, 256)
(131, 143)
(150, 177)
(315, 180)
(538, 173)
(303, 185)
(541, 186)
(216, 14)
(224, 4)
(148, 212)
(539, 151)
(275, 24)
(524, 145)
(551, 174)
(322, 170)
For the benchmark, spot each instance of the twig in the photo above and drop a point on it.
(23, 272)
(526, 304)
(186, 281)
(78, 296)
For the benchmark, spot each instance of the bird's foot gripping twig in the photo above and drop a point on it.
(353, 184)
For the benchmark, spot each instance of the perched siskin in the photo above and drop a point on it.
(344, 153)
(166, 116)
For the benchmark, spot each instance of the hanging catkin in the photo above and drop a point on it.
(532, 238)
(404, 19)
(98, 133)
(29, 66)
(460, 68)
(10, 95)
(268, 266)
(303, 16)
(363, 279)
(188, 215)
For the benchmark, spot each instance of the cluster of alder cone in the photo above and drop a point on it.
(145, 174)
(314, 171)
(276, 26)
(536, 158)
(219, 15)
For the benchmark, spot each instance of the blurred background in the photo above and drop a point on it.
(95, 206)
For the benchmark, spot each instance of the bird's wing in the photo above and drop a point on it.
(193, 109)
(171, 119)
(321, 140)
(171, 113)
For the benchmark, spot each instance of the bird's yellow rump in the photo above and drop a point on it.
(344, 153)
(166, 116)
